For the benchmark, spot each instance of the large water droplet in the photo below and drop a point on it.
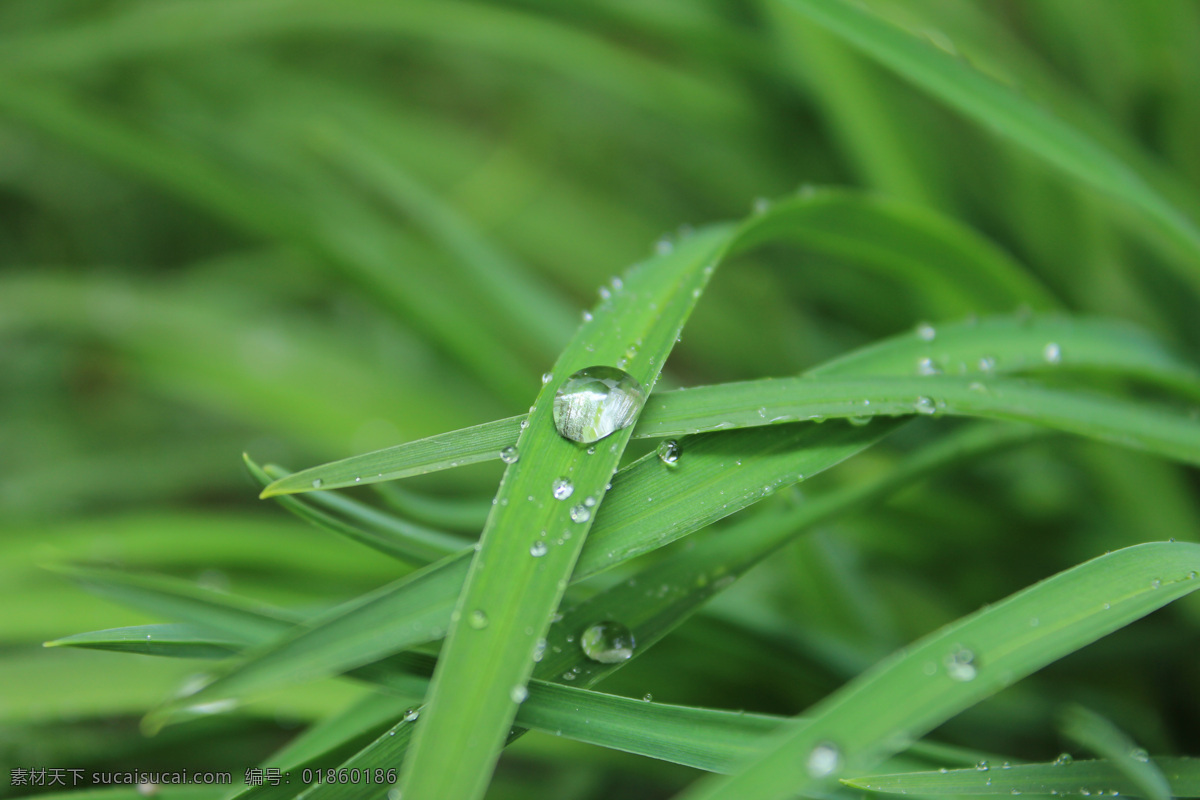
(668, 452)
(596, 402)
(607, 642)
(509, 455)
(824, 760)
(478, 619)
(562, 489)
(960, 664)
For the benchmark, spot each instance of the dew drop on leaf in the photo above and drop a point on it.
(509, 455)
(596, 402)
(562, 489)
(478, 619)
(823, 760)
(607, 642)
(669, 452)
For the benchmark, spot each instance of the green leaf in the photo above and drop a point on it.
(1112, 744)
(1059, 778)
(179, 640)
(926, 684)
(1011, 115)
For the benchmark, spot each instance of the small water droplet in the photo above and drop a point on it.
(596, 402)
(317, 483)
(926, 366)
(1063, 760)
(607, 642)
(562, 489)
(539, 650)
(538, 549)
(580, 513)
(647, 697)
(761, 205)
(478, 619)
(960, 664)
(1156, 583)
(411, 714)
(823, 760)
(982, 766)
(859, 420)
(547, 377)
(925, 405)
(663, 247)
(518, 694)
(587, 316)
(509, 455)
(926, 331)
(668, 452)
(1052, 353)
(987, 364)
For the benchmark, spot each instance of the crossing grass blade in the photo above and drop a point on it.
(852, 730)
(1112, 744)
(1078, 777)
(509, 596)
(700, 573)
(362, 523)
(984, 348)
(1011, 115)
(710, 485)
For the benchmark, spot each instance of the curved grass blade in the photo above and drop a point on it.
(1113, 420)
(442, 451)
(988, 347)
(509, 594)
(954, 668)
(1009, 114)
(1082, 778)
(179, 640)
(388, 534)
(1112, 744)
(466, 515)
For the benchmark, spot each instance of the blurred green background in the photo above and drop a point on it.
(310, 228)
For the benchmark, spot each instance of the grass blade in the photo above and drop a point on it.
(1071, 778)
(1112, 744)
(509, 595)
(991, 346)
(1011, 115)
(179, 640)
(852, 729)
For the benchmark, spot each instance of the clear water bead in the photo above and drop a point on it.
(668, 452)
(824, 760)
(537, 549)
(317, 483)
(478, 619)
(596, 402)
(1052, 353)
(562, 489)
(960, 665)
(580, 513)
(411, 715)
(518, 694)
(607, 642)
(926, 331)
(509, 455)
(925, 405)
